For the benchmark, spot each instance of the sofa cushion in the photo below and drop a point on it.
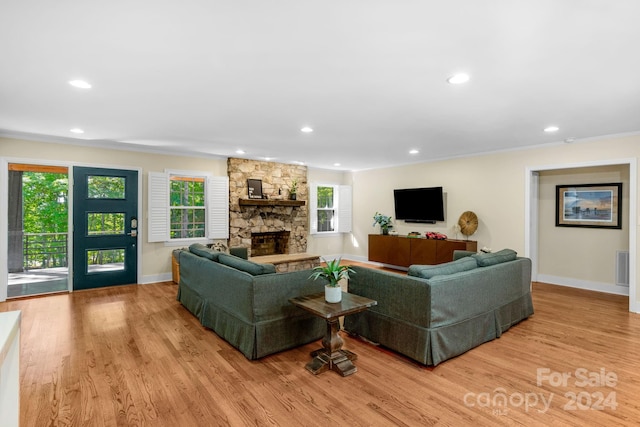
(429, 271)
(203, 251)
(239, 252)
(493, 258)
(250, 267)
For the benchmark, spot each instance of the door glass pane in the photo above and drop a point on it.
(105, 187)
(105, 260)
(101, 224)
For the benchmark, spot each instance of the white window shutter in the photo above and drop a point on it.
(313, 208)
(218, 207)
(158, 207)
(344, 209)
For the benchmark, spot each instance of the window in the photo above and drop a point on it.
(330, 207)
(187, 206)
(326, 212)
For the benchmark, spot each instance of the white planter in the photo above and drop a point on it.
(332, 294)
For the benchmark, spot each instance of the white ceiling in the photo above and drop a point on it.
(209, 77)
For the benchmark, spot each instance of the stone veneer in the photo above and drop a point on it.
(297, 265)
(276, 182)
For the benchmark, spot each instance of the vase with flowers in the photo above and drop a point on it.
(384, 221)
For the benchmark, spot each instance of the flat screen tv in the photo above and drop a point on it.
(424, 205)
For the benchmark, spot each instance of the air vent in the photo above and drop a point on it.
(622, 268)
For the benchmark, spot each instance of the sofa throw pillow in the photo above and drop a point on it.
(218, 247)
(429, 271)
(250, 267)
(203, 251)
(493, 258)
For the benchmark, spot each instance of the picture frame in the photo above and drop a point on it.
(589, 205)
(254, 188)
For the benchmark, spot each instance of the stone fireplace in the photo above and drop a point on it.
(258, 220)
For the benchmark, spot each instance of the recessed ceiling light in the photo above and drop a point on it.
(298, 162)
(551, 129)
(80, 84)
(336, 164)
(306, 129)
(458, 79)
(240, 151)
(76, 130)
(269, 158)
(413, 151)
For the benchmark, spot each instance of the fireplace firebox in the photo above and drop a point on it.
(270, 243)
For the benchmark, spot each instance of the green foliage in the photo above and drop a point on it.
(42, 211)
(383, 220)
(186, 193)
(105, 256)
(106, 187)
(187, 200)
(105, 223)
(332, 272)
(187, 223)
(325, 197)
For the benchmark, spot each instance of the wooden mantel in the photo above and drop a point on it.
(270, 202)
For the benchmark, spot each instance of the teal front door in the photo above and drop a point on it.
(105, 227)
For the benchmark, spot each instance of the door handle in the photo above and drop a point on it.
(134, 226)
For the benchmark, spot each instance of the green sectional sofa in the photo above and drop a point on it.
(246, 303)
(437, 312)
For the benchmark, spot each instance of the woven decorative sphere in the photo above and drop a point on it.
(468, 223)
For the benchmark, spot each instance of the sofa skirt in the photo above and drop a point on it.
(253, 340)
(431, 346)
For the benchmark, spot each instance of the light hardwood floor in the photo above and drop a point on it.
(132, 355)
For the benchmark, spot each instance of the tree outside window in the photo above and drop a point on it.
(44, 222)
(187, 207)
(325, 208)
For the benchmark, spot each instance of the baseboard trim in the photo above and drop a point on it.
(155, 278)
(608, 288)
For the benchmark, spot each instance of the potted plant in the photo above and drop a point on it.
(293, 191)
(384, 221)
(332, 272)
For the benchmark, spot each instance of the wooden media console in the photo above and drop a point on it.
(405, 251)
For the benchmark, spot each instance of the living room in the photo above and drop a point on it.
(500, 225)
(469, 185)
(356, 94)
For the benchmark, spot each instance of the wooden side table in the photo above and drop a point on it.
(332, 356)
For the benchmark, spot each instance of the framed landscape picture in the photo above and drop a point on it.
(255, 188)
(589, 205)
